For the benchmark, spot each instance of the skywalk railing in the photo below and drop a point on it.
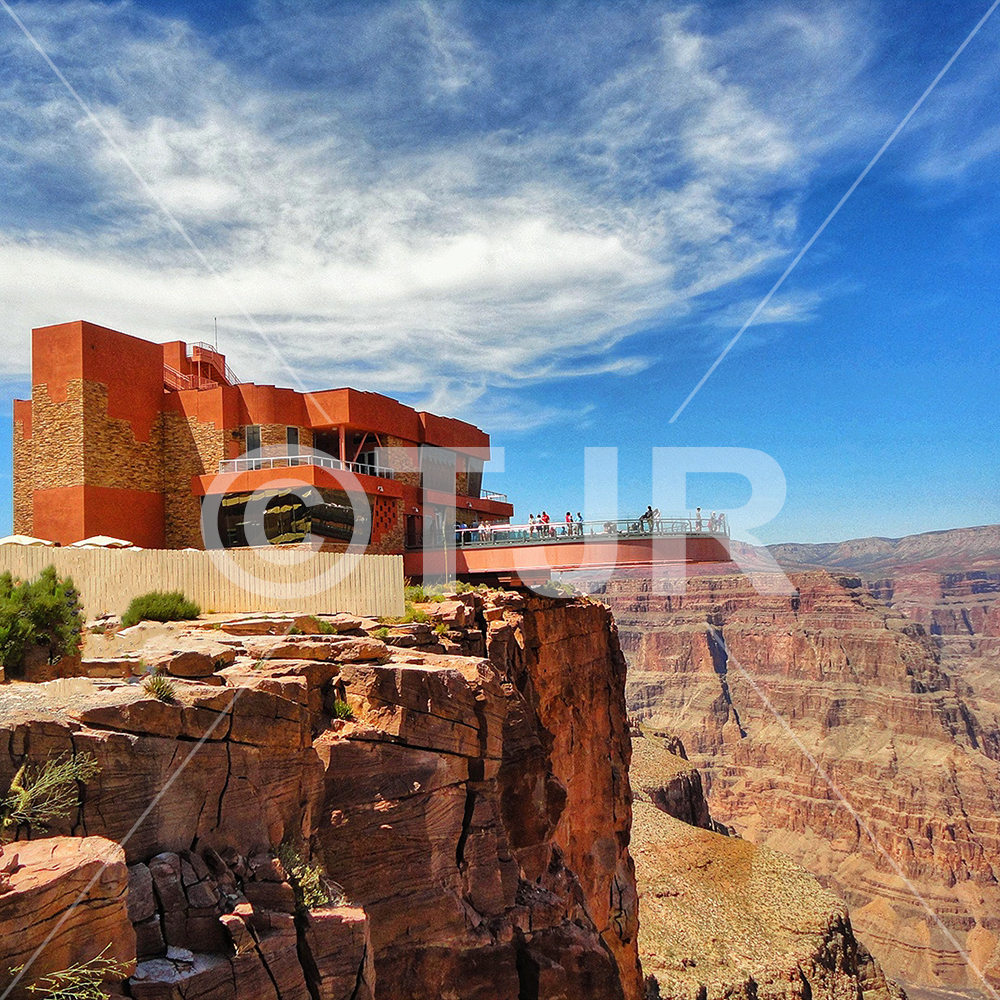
(293, 461)
(556, 532)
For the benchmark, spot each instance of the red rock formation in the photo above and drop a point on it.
(721, 918)
(565, 660)
(475, 811)
(862, 691)
(68, 893)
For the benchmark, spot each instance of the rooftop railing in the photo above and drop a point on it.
(490, 495)
(556, 532)
(204, 348)
(294, 461)
(207, 356)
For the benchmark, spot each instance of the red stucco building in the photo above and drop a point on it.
(125, 437)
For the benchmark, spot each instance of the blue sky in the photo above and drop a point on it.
(547, 218)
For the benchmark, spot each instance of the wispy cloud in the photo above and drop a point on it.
(407, 198)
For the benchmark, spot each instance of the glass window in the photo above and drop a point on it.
(292, 440)
(253, 437)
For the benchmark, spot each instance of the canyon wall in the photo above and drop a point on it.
(832, 727)
(723, 918)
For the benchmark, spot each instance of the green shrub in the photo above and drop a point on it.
(440, 628)
(39, 794)
(411, 614)
(341, 710)
(160, 687)
(415, 594)
(39, 613)
(84, 981)
(309, 881)
(381, 633)
(325, 628)
(160, 606)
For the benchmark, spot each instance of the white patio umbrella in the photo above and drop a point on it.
(24, 540)
(101, 542)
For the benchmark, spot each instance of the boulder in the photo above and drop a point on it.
(72, 888)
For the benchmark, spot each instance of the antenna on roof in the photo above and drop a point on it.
(216, 334)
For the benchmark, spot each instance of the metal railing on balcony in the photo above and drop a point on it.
(201, 346)
(556, 532)
(490, 495)
(173, 379)
(288, 461)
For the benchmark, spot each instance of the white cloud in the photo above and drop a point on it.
(448, 224)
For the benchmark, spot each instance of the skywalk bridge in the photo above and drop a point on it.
(532, 552)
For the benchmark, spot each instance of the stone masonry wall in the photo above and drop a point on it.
(57, 437)
(112, 456)
(24, 482)
(190, 448)
(407, 467)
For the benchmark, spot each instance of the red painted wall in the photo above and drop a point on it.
(71, 513)
(132, 369)
(58, 514)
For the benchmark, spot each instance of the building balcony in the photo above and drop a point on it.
(288, 461)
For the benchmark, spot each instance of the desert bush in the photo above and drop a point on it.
(341, 710)
(441, 628)
(415, 594)
(381, 633)
(413, 614)
(308, 880)
(40, 794)
(44, 612)
(84, 981)
(160, 687)
(160, 606)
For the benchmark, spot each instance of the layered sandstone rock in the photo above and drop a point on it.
(476, 812)
(69, 894)
(723, 918)
(564, 659)
(829, 727)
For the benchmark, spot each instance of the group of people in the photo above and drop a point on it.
(716, 522)
(475, 532)
(543, 527)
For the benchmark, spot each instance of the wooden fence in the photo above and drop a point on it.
(226, 580)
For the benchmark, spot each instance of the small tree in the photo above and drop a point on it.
(42, 613)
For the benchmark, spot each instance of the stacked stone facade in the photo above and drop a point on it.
(190, 448)
(24, 480)
(113, 457)
(57, 437)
